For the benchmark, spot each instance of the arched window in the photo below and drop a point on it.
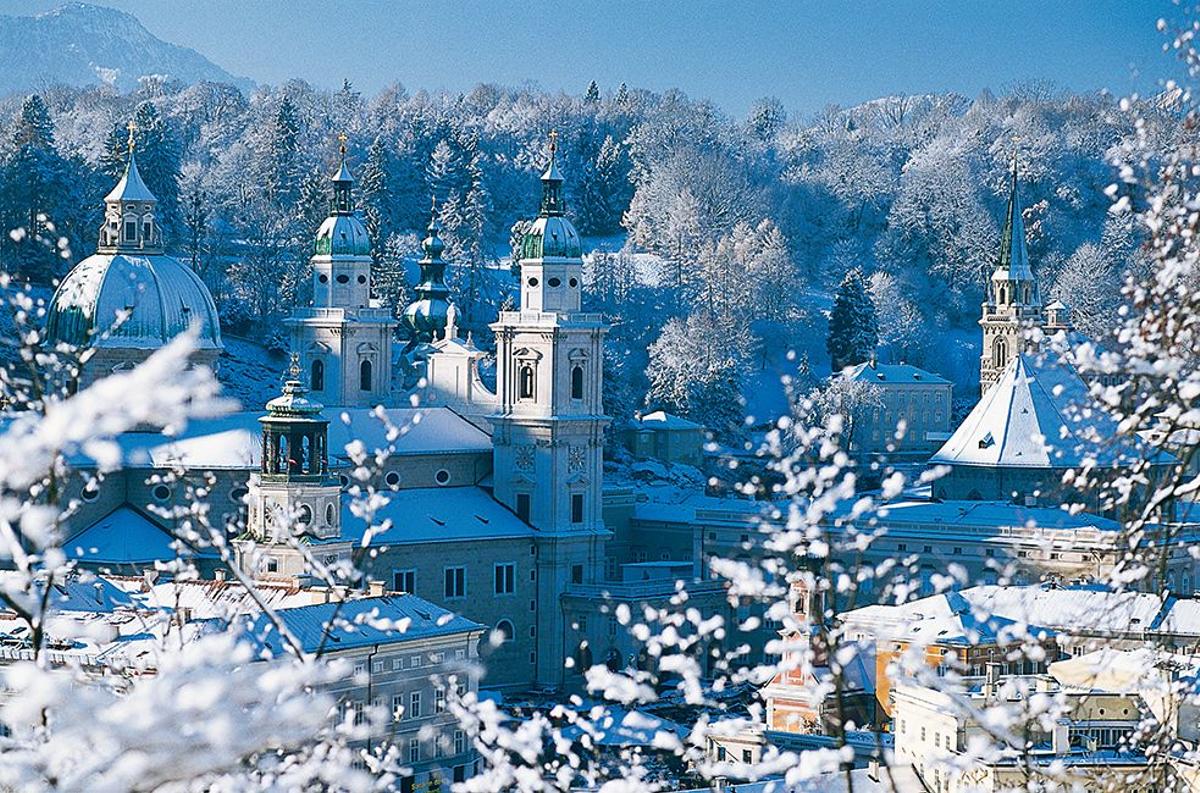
(613, 660)
(525, 382)
(329, 515)
(577, 381)
(999, 353)
(318, 375)
(364, 375)
(583, 658)
(1003, 295)
(504, 632)
(130, 230)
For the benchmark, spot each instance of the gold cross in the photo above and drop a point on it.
(553, 141)
(342, 138)
(132, 127)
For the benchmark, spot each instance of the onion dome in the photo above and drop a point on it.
(551, 234)
(343, 233)
(428, 315)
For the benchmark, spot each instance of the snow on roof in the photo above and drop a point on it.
(437, 514)
(123, 536)
(1038, 415)
(78, 592)
(620, 727)
(234, 441)
(388, 619)
(1125, 671)
(1085, 609)
(662, 420)
(984, 514)
(131, 187)
(869, 372)
(206, 599)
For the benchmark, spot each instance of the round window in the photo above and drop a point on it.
(554, 282)
(392, 478)
(238, 495)
(329, 514)
(323, 278)
(161, 492)
(362, 279)
(442, 476)
(343, 279)
(304, 514)
(91, 492)
(573, 283)
(533, 282)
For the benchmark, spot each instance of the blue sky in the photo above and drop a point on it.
(808, 53)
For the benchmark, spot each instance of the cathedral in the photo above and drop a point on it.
(493, 498)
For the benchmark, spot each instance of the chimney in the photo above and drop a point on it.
(219, 576)
(873, 769)
(1061, 739)
(375, 588)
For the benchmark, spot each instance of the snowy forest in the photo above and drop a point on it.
(713, 238)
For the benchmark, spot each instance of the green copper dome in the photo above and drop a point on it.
(551, 235)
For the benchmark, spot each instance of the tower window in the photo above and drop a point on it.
(362, 279)
(323, 278)
(999, 353)
(146, 229)
(343, 279)
(523, 506)
(577, 507)
(364, 375)
(525, 384)
(573, 283)
(576, 574)
(130, 230)
(318, 375)
(577, 382)
(554, 282)
(329, 514)
(304, 516)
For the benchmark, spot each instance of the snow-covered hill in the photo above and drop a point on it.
(81, 44)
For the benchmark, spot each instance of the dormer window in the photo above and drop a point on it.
(130, 230)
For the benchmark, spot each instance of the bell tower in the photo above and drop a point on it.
(344, 339)
(548, 431)
(1014, 304)
(293, 500)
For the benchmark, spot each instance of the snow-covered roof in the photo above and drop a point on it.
(619, 727)
(207, 599)
(363, 622)
(123, 536)
(234, 441)
(662, 420)
(162, 296)
(77, 592)
(438, 514)
(131, 187)
(982, 610)
(1038, 415)
(869, 372)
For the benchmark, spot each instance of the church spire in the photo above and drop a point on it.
(1014, 256)
(552, 181)
(343, 181)
(129, 222)
(427, 316)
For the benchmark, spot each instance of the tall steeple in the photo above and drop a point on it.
(427, 316)
(1014, 303)
(345, 339)
(129, 208)
(548, 431)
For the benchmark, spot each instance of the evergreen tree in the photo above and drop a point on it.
(159, 157)
(195, 221)
(592, 95)
(376, 200)
(853, 329)
(281, 163)
(34, 126)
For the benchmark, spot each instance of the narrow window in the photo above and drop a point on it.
(525, 385)
(523, 506)
(577, 382)
(318, 375)
(364, 375)
(130, 230)
(456, 582)
(576, 574)
(146, 229)
(577, 507)
(414, 705)
(506, 579)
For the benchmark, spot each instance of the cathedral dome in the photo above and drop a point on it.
(551, 236)
(343, 235)
(164, 297)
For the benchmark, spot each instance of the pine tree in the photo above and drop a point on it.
(281, 160)
(34, 125)
(853, 329)
(592, 96)
(376, 200)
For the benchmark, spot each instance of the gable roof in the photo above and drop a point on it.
(123, 536)
(883, 373)
(1039, 414)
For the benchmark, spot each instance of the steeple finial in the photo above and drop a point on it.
(553, 143)
(132, 127)
(552, 203)
(294, 369)
(342, 138)
(342, 180)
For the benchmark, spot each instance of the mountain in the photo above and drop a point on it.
(81, 44)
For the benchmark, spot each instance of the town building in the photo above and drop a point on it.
(905, 396)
